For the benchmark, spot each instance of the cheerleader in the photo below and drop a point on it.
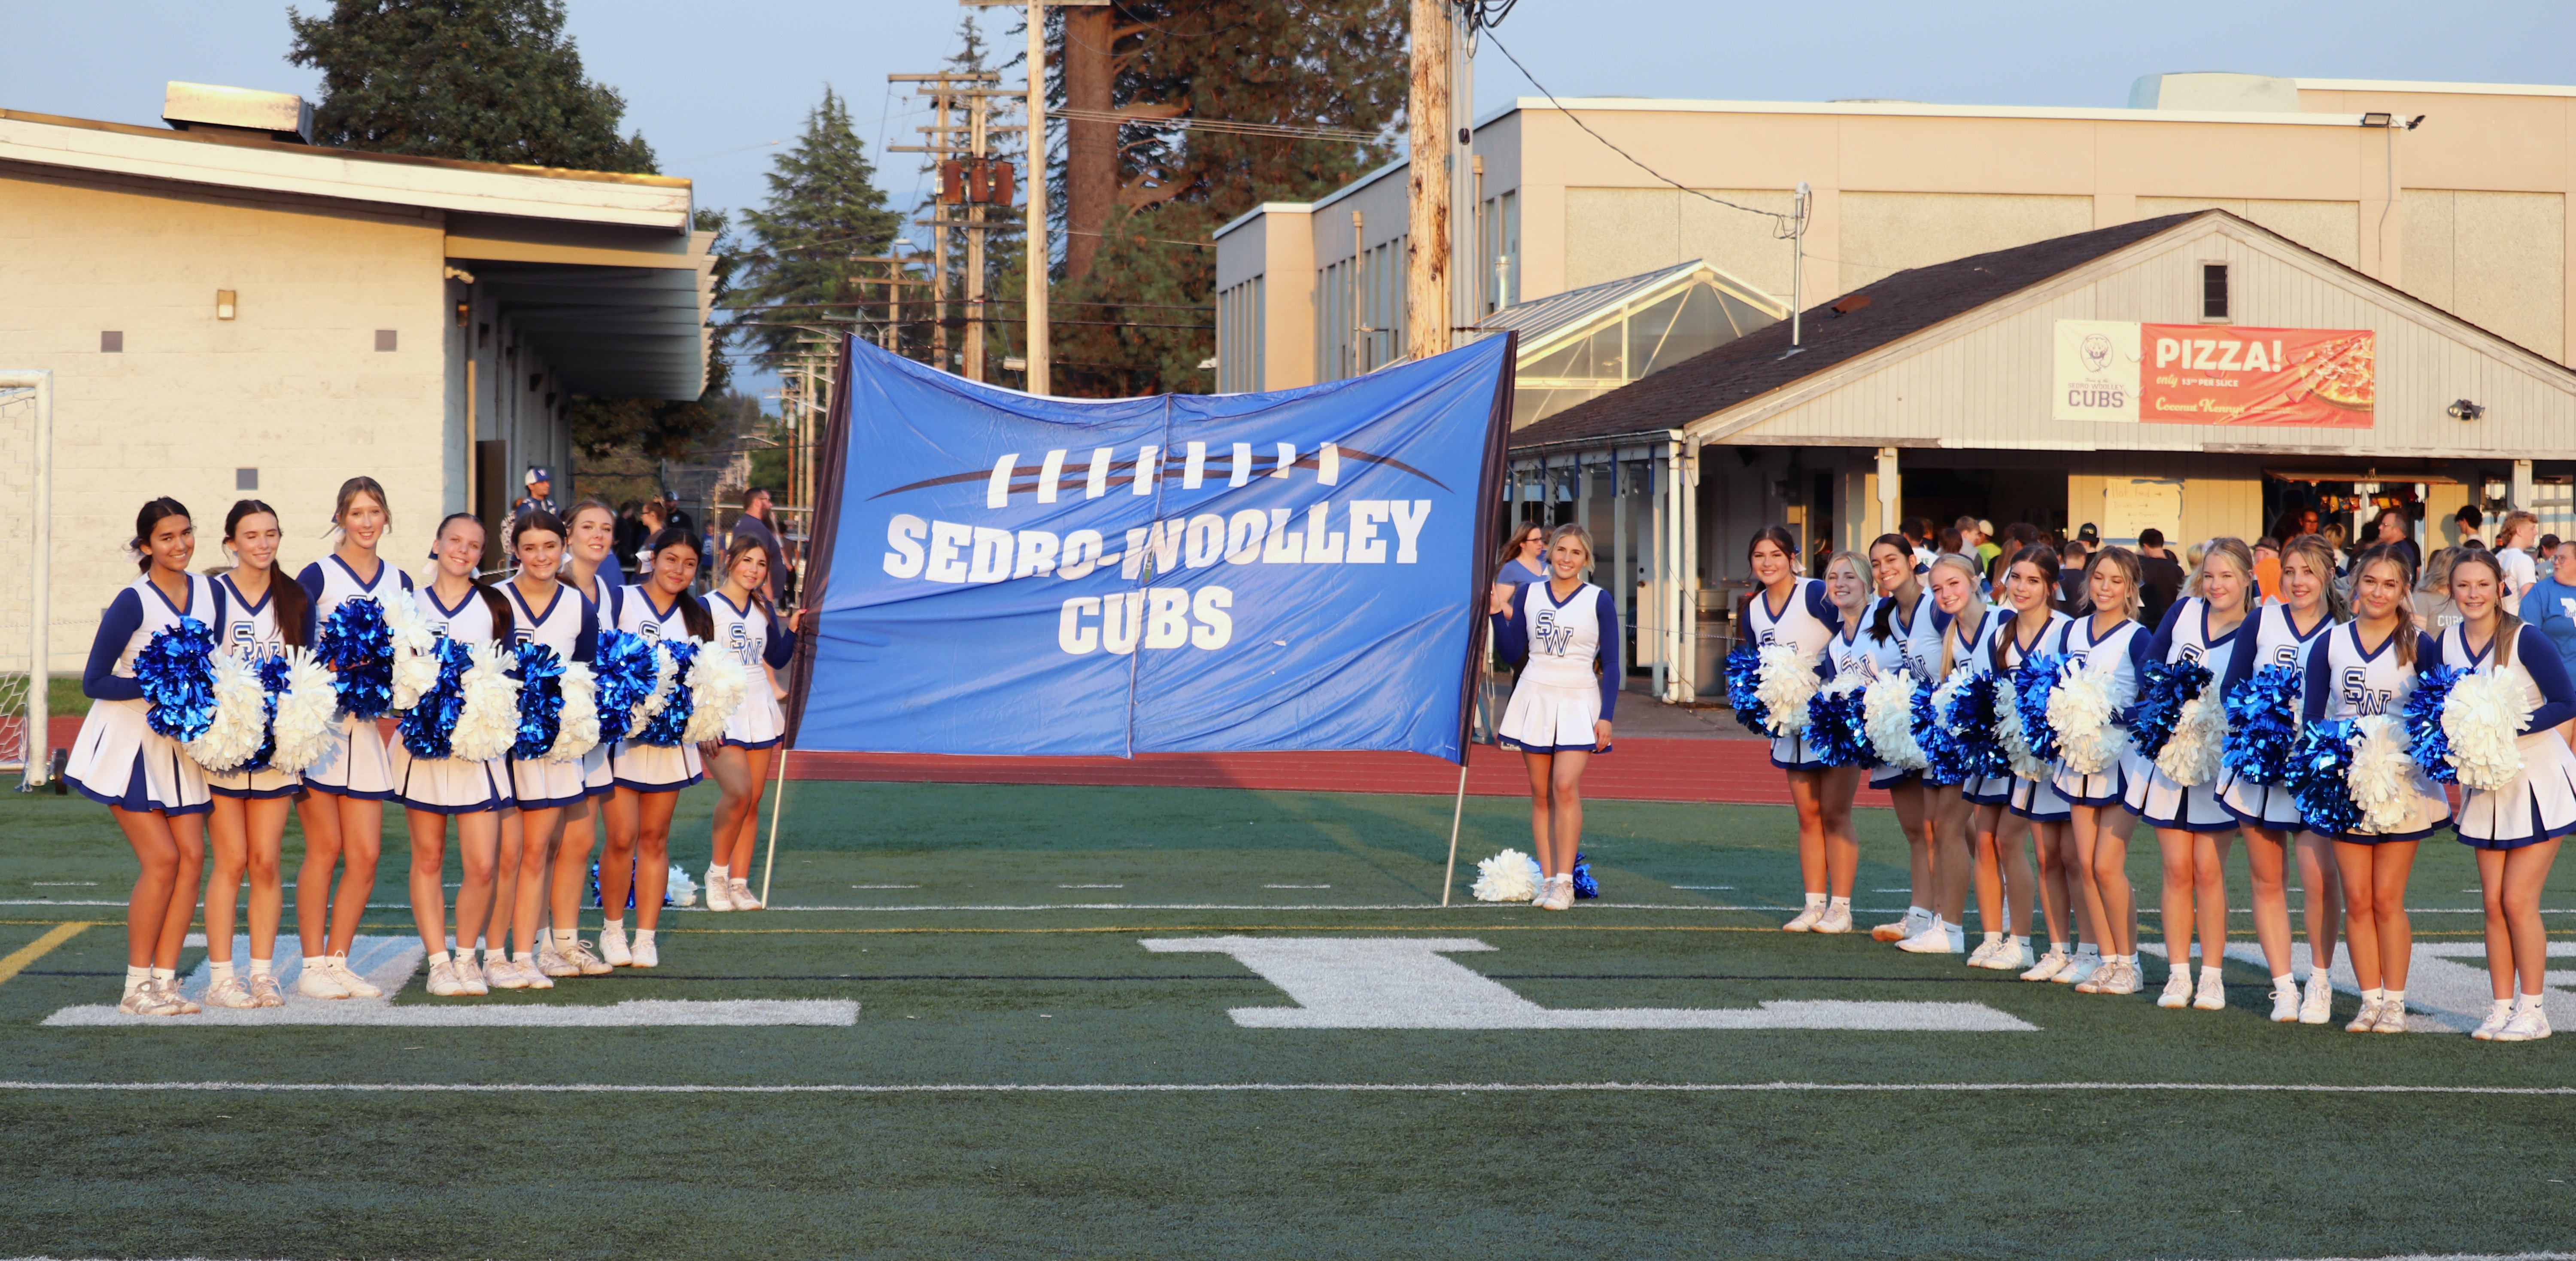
(548, 793)
(1905, 634)
(263, 616)
(150, 787)
(649, 777)
(1564, 633)
(1787, 609)
(2010, 806)
(2515, 829)
(1847, 653)
(2112, 644)
(342, 805)
(594, 532)
(2283, 634)
(1964, 833)
(2369, 666)
(2191, 824)
(434, 791)
(747, 627)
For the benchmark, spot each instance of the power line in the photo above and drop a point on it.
(1782, 225)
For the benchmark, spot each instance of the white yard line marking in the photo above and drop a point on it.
(1410, 983)
(1193, 1088)
(390, 964)
(1296, 886)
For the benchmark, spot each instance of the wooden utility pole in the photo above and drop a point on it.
(1039, 255)
(1426, 244)
(973, 92)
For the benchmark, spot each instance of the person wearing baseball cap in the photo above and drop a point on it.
(540, 496)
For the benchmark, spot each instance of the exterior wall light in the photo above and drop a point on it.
(2464, 410)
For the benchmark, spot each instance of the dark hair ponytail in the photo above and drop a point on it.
(287, 600)
(2043, 558)
(153, 513)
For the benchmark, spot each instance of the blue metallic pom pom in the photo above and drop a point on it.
(2319, 778)
(540, 674)
(2425, 740)
(429, 727)
(627, 669)
(1743, 679)
(1835, 730)
(273, 672)
(2262, 726)
(667, 729)
(1584, 885)
(2033, 680)
(177, 674)
(358, 648)
(2163, 689)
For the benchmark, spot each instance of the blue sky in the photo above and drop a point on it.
(712, 86)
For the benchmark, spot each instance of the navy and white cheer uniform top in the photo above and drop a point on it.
(2002, 652)
(1568, 651)
(2275, 640)
(654, 767)
(755, 636)
(2115, 655)
(569, 624)
(356, 765)
(250, 632)
(2540, 802)
(1805, 620)
(118, 758)
(2187, 635)
(1912, 644)
(452, 785)
(2344, 680)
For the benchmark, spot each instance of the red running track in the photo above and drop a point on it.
(1643, 768)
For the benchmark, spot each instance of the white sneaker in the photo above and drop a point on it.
(2497, 1018)
(535, 976)
(229, 992)
(1984, 951)
(582, 961)
(471, 977)
(612, 945)
(148, 1000)
(1805, 922)
(1898, 930)
(744, 901)
(2368, 1016)
(443, 982)
(646, 956)
(170, 992)
(552, 963)
(2392, 1019)
(2316, 1006)
(2008, 957)
(1933, 940)
(2285, 1004)
(2213, 993)
(264, 991)
(317, 982)
(2124, 980)
(2528, 1025)
(719, 893)
(355, 984)
(1837, 920)
(505, 974)
(2049, 966)
(2079, 970)
(2177, 992)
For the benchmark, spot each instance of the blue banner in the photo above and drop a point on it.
(1009, 574)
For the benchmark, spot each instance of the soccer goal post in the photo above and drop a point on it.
(26, 607)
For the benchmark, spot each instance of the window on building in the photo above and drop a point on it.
(2213, 291)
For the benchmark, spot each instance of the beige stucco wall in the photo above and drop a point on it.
(2497, 260)
(2331, 228)
(1617, 232)
(293, 387)
(1884, 233)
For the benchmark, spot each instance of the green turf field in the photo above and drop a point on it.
(1788, 1142)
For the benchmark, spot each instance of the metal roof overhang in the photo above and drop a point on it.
(614, 320)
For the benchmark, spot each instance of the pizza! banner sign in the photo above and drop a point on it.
(2203, 374)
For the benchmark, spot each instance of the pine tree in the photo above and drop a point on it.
(1316, 63)
(824, 209)
(483, 80)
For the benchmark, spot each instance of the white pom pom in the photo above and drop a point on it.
(2079, 710)
(1510, 876)
(2482, 715)
(2191, 754)
(577, 729)
(1786, 682)
(1887, 712)
(2008, 725)
(415, 667)
(682, 890)
(487, 724)
(241, 717)
(305, 713)
(717, 684)
(2382, 779)
(666, 676)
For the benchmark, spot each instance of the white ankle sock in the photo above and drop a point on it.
(1815, 901)
(2022, 942)
(2373, 996)
(135, 977)
(1917, 912)
(1994, 938)
(2283, 983)
(441, 957)
(263, 967)
(2054, 947)
(2088, 949)
(1838, 904)
(2394, 998)
(312, 962)
(2526, 1002)
(218, 973)
(165, 974)
(2209, 972)
(2507, 1006)
(564, 938)
(643, 936)
(612, 928)
(716, 872)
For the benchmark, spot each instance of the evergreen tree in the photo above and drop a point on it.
(484, 80)
(824, 209)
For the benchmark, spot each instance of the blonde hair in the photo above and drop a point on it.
(2231, 549)
(1973, 615)
(1564, 532)
(2405, 634)
(1860, 570)
(2127, 562)
(2437, 571)
(2513, 521)
(2320, 556)
(2508, 627)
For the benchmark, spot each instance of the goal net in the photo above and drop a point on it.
(22, 663)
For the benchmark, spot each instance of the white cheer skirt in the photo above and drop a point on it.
(757, 723)
(1793, 753)
(266, 782)
(595, 778)
(2037, 800)
(119, 760)
(449, 785)
(2154, 797)
(355, 765)
(543, 784)
(2540, 803)
(2260, 805)
(655, 768)
(2105, 787)
(2431, 810)
(1990, 790)
(1549, 718)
